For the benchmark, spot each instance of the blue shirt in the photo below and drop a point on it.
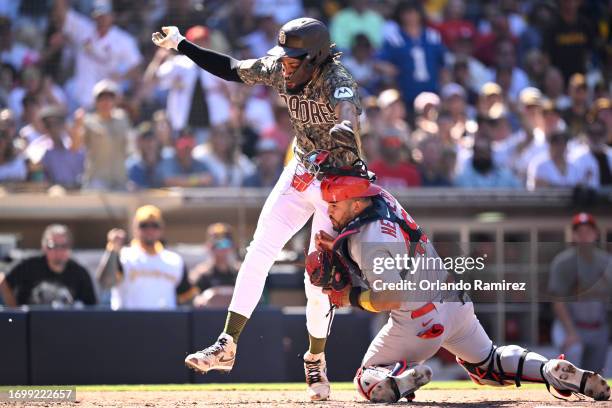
(142, 176)
(418, 61)
(170, 167)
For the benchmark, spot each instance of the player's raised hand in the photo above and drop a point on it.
(171, 39)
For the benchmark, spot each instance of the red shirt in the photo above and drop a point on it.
(453, 29)
(397, 176)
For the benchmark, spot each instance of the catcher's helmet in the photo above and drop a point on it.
(339, 188)
(303, 37)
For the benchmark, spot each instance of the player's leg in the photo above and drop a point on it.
(489, 364)
(572, 352)
(392, 367)
(596, 342)
(318, 314)
(283, 214)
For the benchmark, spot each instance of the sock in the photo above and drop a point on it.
(234, 324)
(316, 345)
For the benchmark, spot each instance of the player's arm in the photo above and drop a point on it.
(6, 292)
(216, 63)
(109, 271)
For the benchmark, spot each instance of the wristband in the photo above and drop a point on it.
(365, 302)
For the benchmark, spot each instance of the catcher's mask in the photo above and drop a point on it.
(308, 169)
(306, 39)
(340, 188)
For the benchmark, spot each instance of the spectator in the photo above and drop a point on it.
(105, 134)
(595, 164)
(269, 165)
(575, 114)
(15, 54)
(53, 278)
(392, 111)
(282, 131)
(357, 18)
(490, 94)
(538, 18)
(568, 39)
(481, 171)
(33, 83)
(426, 108)
(144, 169)
(228, 166)
(62, 163)
(436, 162)
(12, 166)
(102, 49)
(553, 169)
(602, 110)
(216, 277)
(455, 25)
(413, 50)
(505, 61)
(461, 76)
(182, 170)
(580, 279)
(361, 64)
(144, 275)
(196, 99)
(30, 127)
(392, 169)
(463, 51)
(263, 38)
(536, 67)
(554, 88)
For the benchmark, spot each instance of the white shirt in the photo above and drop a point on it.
(178, 75)
(589, 168)
(505, 154)
(39, 146)
(149, 281)
(98, 57)
(543, 168)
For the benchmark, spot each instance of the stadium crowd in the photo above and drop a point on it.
(503, 93)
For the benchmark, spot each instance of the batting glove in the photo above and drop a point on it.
(171, 40)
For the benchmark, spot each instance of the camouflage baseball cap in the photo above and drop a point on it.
(303, 37)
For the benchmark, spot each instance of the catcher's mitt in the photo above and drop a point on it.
(327, 270)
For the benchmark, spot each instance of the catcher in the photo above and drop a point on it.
(373, 225)
(324, 107)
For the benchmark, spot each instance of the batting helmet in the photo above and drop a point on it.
(339, 188)
(303, 37)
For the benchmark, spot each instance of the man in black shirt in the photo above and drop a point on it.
(50, 278)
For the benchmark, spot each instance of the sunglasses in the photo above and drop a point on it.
(51, 245)
(145, 225)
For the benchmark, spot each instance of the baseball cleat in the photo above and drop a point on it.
(220, 356)
(315, 369)
(565, 378)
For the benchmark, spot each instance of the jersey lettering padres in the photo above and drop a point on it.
(312, 109)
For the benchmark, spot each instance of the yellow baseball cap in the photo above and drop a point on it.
(148, 213)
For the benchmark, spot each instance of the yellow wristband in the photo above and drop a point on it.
(365, 302)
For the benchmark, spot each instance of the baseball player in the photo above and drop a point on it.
(373, 225)
(324, 106)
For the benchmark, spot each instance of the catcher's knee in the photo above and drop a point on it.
(374, 384)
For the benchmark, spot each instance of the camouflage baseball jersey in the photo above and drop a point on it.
(312, 109)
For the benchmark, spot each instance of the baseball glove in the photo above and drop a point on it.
(327, 270)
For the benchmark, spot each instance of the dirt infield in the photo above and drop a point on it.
(289, 399)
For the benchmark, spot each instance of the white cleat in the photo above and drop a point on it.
(220, 356)
(315, 369)
(403, 385)
(566, 378)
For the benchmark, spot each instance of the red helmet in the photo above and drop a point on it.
(339, 188)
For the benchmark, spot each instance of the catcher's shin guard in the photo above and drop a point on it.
(506, 365)
(383, 384)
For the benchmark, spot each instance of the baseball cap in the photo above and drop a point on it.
(530, 96)
(197, 32)
(582, 219)
(101, 7)
(599, 105)
(425, 98)
(148, 213)
(51, 111)
(490, 88)
(387, 97)
(452, 89)
(106, 86)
